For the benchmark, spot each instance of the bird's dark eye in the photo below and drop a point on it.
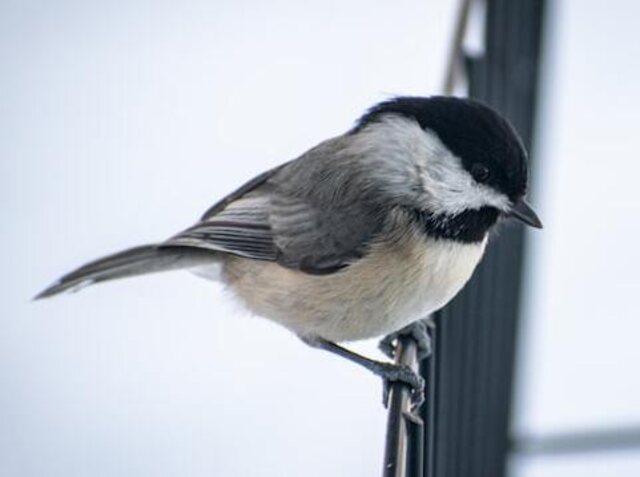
(480, 172)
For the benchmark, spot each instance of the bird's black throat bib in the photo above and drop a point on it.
(469, 226)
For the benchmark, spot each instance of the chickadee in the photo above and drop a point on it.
(360, 236)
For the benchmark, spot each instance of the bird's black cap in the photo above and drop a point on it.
(473, 131)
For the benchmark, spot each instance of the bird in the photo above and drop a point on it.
(361, 236)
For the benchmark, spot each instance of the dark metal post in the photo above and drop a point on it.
(470, 373)
(403, 429)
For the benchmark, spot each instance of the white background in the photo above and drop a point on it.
(121, 122)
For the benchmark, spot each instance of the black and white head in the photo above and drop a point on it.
(470, 165)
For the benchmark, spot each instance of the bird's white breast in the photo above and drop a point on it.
(396, 283)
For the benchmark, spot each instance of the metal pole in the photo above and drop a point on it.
(455, 64)
(400, 422)
(472, 366)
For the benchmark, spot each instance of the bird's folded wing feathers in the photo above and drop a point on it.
(240, 228)
(318, 240)
(271, 218)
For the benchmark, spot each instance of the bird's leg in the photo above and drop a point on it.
(418, 330)
(389, 372)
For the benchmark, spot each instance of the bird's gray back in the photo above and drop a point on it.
(320, 212)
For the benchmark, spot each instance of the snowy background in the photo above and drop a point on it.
(123, 121)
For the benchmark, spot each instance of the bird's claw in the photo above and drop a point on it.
(392, 373)
(418, 330)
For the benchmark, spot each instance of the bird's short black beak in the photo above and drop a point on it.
(524, 213)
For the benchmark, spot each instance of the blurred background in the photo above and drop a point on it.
(123, 121)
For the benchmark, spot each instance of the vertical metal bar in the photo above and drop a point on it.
(415, 451)
(455, 65)
(469, 375)
(397, 445)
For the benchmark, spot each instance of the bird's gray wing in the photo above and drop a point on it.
(308, 214)
(238, 227)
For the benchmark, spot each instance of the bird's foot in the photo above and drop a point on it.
(389, 372)
(418, 330)
(399, 373)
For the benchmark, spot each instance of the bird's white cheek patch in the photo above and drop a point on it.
(483, 195)
(448, 186)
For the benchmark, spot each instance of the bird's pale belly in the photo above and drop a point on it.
(392, 286)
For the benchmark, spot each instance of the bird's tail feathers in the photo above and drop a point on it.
(128, 263)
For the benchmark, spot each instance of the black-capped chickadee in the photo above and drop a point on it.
(360, 236)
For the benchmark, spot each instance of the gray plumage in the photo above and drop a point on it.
(317, 229)
(359, 236)
(128, 263)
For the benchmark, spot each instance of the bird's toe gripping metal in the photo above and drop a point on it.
(391, 373)
(418, 330)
